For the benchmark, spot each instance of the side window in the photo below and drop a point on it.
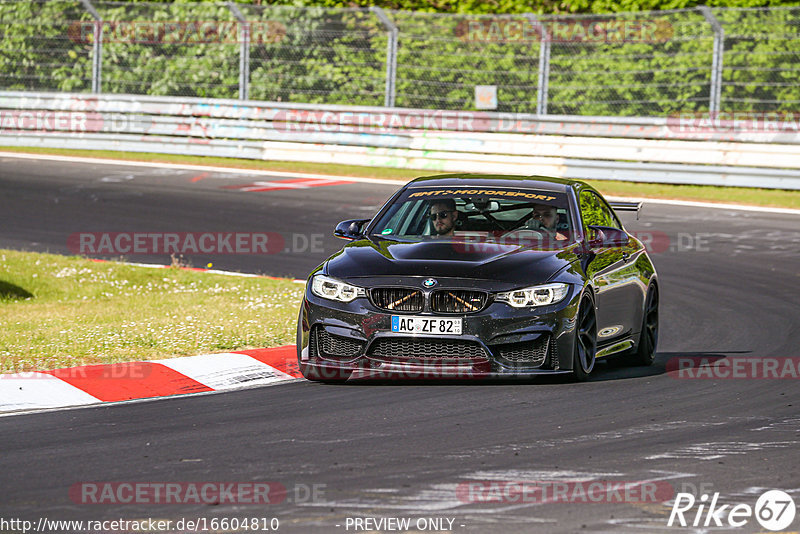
(405, 219)
(609, 214)
(595, 212)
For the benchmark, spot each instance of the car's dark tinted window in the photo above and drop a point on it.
(595, 212)
(534, 215)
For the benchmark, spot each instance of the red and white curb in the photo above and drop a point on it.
(97, 384)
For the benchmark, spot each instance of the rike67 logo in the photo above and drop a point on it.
(774, 510)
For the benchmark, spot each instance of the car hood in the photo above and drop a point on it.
(516, 264)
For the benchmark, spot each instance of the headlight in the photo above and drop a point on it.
(332, 289)
(535, 295)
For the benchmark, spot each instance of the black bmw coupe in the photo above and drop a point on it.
(475, 276)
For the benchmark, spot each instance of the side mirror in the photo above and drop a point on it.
(606, 237)
(350, 229)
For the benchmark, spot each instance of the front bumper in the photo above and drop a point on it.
(337, 341)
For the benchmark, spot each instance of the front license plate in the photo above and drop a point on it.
(426, 325)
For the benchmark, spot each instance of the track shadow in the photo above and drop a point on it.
(605, 370)
(616, 369)
(13, 292)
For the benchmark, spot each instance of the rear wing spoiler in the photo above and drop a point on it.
(626, 206)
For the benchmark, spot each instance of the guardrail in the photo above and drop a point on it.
(743, 151)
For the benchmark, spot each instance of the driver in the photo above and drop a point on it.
(547, 217)
(443, 216)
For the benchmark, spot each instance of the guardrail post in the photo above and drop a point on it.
(542, 86)
(244, 51)
(715, 95)
(391, 56)
(97, 46)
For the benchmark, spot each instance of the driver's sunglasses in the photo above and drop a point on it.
(440, 215)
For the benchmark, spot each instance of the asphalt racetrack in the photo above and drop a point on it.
(453, 454)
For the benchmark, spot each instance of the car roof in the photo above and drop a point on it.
(543, 183)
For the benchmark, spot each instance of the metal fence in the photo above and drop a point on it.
(636, 64)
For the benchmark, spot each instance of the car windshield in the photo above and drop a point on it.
(534, 218)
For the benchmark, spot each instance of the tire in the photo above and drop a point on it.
(648, 338)
(583, 356)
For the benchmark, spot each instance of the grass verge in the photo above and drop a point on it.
(731, 195)
(58, 311)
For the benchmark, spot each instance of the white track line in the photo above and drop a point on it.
(202, 270)
(695, 204)
(188, 166)
(397, 183)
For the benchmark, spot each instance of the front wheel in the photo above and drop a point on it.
(648, 339)
(585, 340)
